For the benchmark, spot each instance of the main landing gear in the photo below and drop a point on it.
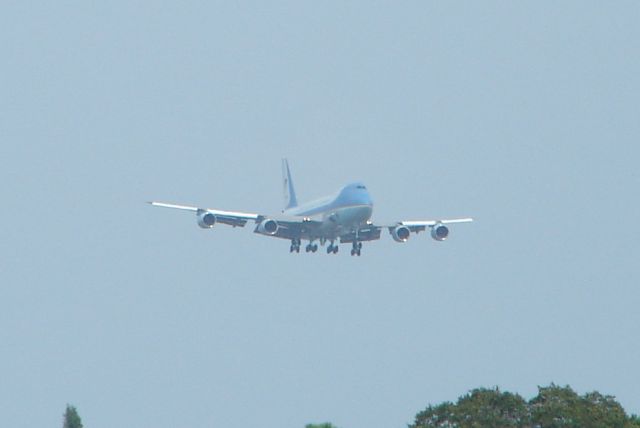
(356, 249)
(332, 248)
(295, 245)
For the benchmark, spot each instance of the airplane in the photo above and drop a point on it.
(343, 217)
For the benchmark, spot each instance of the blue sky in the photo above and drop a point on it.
(522, 115)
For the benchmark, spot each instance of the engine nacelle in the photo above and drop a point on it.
(400, 233)
(268, 227)
(439, 232)
(206, 220)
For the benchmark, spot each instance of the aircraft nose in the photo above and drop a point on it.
(366, 198)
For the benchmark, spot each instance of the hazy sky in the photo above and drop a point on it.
(521, 114)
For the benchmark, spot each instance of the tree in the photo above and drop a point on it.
(553, 407)
(71, 418)
(479, 408)
(556, 406)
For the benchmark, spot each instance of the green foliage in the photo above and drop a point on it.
(493, 408)
(480, 408)
(562, 407)
(553, 407)
(71, 418)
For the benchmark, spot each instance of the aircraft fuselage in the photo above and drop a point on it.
(348, 209)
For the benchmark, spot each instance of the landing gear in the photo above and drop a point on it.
(356, 249)
(295, 245)
(332, 248)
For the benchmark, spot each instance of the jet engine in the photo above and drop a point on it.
(268, 227)
(439, 232)
(206, 220)
(400, 233)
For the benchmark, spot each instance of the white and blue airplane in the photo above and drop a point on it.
(342, 217)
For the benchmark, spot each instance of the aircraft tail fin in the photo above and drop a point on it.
(290, 200)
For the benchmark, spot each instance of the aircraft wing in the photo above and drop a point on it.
(288, 227)
(420, 225)
(232, 218)
(401, 230)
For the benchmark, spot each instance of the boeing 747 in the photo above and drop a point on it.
(343, 217)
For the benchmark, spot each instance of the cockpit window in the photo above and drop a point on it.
(361, 187)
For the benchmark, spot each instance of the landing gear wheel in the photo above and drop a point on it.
(356, 249)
